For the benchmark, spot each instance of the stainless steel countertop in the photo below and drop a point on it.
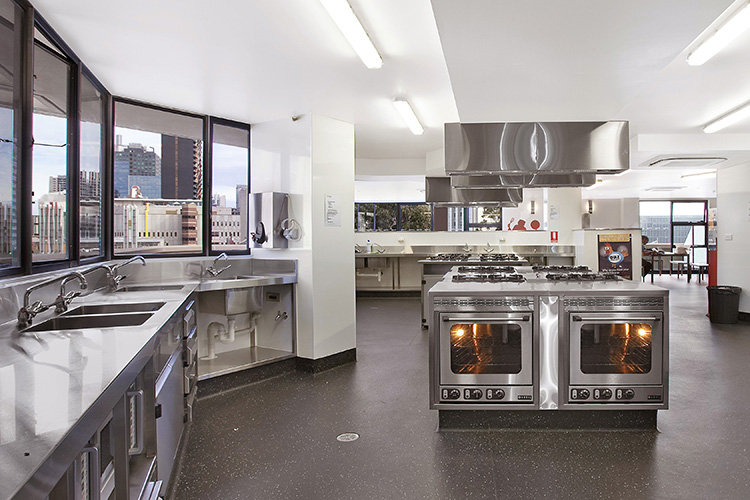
(540, 285)
(49, 382)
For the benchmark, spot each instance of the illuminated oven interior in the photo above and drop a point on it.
(485, 348)
(616, 348)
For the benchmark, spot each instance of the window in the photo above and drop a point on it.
(392, 217)
(91, 167)
(484, 218)
(11, 20)
(158, 180)
(50, 155)
(230, 152)
(677, 223)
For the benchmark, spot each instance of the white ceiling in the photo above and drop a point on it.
(468, 60)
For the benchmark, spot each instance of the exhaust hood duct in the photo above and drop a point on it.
(510, 181)
(537, 147)
(438, 190)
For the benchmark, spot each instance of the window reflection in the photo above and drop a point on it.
(10, 75)
(90, 182)
(50, 156)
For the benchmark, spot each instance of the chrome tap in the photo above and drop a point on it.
(28, 312)
(114, 277)
(62, 300)
(466, 248)
(212, 268)
(488, 248)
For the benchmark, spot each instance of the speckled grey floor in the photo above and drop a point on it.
(277, 439)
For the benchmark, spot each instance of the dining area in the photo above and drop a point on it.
(677, 261)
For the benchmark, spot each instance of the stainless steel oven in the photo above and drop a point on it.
(616, 351)
(485, 356)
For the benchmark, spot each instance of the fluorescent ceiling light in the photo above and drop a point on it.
(731, 29)
(710, 172)
(665, 188)
(404, 109)
(343, 15)
(728, 119)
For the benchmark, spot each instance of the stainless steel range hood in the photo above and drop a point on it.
(438, 190)
(506, 181)
(549, 148)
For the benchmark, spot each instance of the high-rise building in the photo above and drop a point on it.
(136, 160)
(58, 183)
(182, 168)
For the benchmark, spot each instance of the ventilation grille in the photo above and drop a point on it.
(488, 302)
(601, 302)
(684, 161)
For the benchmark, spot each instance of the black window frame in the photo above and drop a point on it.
(673, 224)
(32, 21)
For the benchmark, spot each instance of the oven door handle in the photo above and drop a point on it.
(640, 318)
(523, 318)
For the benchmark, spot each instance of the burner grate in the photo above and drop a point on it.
(488, 278)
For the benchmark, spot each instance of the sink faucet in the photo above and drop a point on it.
(212, 268)
(466, 248)
(28, 312)
(114, 277)
(62, 300)
(488, 248)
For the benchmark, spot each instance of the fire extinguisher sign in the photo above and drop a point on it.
(553, 236)
(616, 255)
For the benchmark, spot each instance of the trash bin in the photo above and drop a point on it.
(724, 304)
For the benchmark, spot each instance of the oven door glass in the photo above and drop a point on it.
(486, 350)
(616, 348)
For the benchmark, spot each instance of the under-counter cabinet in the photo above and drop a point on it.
(243, 328)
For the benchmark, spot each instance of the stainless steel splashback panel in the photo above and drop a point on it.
(549, 352)
(541, 147)
(438, 190)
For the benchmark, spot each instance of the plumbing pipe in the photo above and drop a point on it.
(214, 330)
(226, 336)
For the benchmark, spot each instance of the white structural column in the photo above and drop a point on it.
(733, 230)
(312, 159)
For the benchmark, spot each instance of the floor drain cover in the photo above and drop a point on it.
(347, 436)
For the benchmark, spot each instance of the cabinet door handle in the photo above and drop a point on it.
(514, 319)
(138, 421)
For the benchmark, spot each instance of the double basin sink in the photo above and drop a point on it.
(118, 314)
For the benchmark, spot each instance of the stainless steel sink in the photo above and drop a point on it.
(150, 288)
(115, 308)
(91, 321)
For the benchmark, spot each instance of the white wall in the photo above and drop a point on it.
(613, 212)
(397, 166)
(308, 159)
(733, 220)
(392, 189)
(435, 163)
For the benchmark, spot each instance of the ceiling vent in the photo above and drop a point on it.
(683, 161)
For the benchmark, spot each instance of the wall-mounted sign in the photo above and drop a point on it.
(333, 215)
(553, 236)
(616, 255)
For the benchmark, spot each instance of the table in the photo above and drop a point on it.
(688, 267)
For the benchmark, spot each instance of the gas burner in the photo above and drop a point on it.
(562, 269)
(497, 257)
(457, 257)
(585, 276)
(486, 269)
(488, 278)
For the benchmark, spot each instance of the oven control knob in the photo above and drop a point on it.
(628, 393)
(472, 393)
(579, 394)
(495, 394)
(450, 394)
(602, 393)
